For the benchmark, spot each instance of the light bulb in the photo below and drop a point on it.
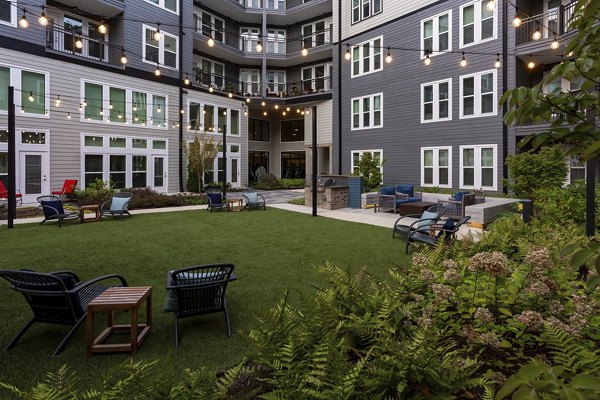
(277, 106)
(230, 95)
(263, 103)
(80, 107)
(123, 58)
(57, 100)
(68, 115)
(157, 71)
(388, 57)
(497, 64)
(247, 99)
(427, 60)
(135, 118)
(555, 44)
(84, 102)
(211, 41)
(79, 43)
(23, 23)
(537, 35)
(265, 113)
(491, 5)
(347, 56)
(134, 106)
(531, 64)
(158, 109)
(463, 61)
(120, 116)
(245, 112)
(43, 20)
(102, 28)
(22, 110)
(304, 52)
(181, 111)
(210, 89)
(283, 113)
(259, 47)
(156, 34)
(31, 99)
(517, 22)
(186, 81)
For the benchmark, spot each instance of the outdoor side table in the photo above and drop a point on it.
(235, 204)
(95, 208)
(119, 299)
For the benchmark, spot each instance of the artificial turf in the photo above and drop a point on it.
(272, 251)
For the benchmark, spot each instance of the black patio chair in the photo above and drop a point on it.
(198, 290)
(445, 233)
(215, 200)
(54, 210)
(57, 298)
(422, 224)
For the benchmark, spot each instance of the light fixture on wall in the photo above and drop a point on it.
(497, 64)
(23, 23)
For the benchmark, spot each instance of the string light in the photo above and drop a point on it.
(427, 60)
(283, 113)
(42, 19)
(31, 99)
(134, 106)
(247, 99)
(463, 61)
(156, 34)
(102, 28)
(537, 35)
(79, 43)
(531, 64)
(46, 112)
(259, 47)
(491, 4)
(157, 70)
(230, 94)
(388, 57)
(158, 109)
(277, 106)
(68, 115)
(23, 23)
(265, 113)
(80, 107)
(186, 80)
(497, 64)
(22, 110)
(181, 110)
(57, 100)
(211, 41)
(555, 44)
(123, 57)
(84, 102)
(210, 89)
(304, 51)
(347, 56)
(517, 21)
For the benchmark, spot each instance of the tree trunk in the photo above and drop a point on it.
(200, 183)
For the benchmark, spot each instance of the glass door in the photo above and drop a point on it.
(233, 171)
(33, 175)
(159, 178)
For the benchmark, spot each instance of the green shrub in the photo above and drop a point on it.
(369, 168)
(147, 198)
(97, 192)
(192, 183)
(299, 201)
(566, 203)
(271, 182)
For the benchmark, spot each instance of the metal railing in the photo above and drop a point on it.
(555, 22)
(79, 45)
(226, 84)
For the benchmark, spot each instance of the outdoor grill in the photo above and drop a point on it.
(323, 183)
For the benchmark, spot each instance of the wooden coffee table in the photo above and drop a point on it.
(235, 204)
(95, 208)
(415, 207)
(119, 299)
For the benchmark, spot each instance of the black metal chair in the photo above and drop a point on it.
(117, 206)
(54, 210)
(422, 224)
(215, 201)
(198, 290)
(444, 235)
(56, 298)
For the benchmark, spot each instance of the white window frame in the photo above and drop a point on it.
(212, 26)
(161, 48)
(477, 94)
(198, 65)
(313, 27)
(326, 77)
(129, 113)
(20, 97)
(216, 107)
(371, 57)
(360, 153)
(250, 72)
(436, 34)
(276, 84)
(436, 101)
(371, 112)
(477, 167)
(278, 44)
(436, 166)
(161, 4)
(277, 5)
(250, 38)
(128, 151)
(478, 4)
(361, 4)
(13, 14)
(571, 160)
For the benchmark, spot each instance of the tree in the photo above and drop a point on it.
(572, 115)
(201, 154)
(370, 170)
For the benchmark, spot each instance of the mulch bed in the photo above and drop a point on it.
(22, 212)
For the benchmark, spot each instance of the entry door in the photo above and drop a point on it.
(33, 175)
(551, 11)
(233, 171)
(159, 174)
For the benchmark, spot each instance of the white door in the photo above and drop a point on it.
(159, 174)
(33, 175)
(233, 171)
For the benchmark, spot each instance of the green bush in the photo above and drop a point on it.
(97, 192)
(191, 184)
(147, 198)
(271, 182)
(566, 203)
(299, 201)
(369, 169)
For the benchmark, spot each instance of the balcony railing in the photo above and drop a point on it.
(254, 89)
(83, 46)
(556, 22)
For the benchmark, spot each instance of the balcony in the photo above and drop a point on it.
(107, 8)
(550, 24)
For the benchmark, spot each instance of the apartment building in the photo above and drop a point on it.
(114, 89)
(432, 112)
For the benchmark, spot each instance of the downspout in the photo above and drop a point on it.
(339, 91)
(181, 34)
(504, 89)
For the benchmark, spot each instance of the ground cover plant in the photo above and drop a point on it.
(273, 251)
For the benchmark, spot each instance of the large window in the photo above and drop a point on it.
(276, 4)
(257, 159)
(211, 73)
(478, 167)
(213, 27)
(436, 101)
(213, 119)
(250, 81)
(293, 164)
(170, 5)
(436, 34)
(436, 166)
(316, 34)
(31, 88)
(249, 38)
(8, 12)
(122, 160)
(93, 102)
(477, 23)
(478, 94)
(367, 57)
(276, 41)
(275, 82)
(292, 130)
(162, 51)
(367, 112)
(362, 9)
(258, 130)
(377, 155)
(316, 78)
(576, 169)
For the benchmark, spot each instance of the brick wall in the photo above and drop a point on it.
(332, 199)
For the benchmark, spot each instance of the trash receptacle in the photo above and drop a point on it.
(527, 211)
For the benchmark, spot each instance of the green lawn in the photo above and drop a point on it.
(272, 251)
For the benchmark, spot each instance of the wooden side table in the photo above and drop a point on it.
(235, 204)
(93, 207)
(119, 299)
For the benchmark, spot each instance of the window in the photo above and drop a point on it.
(170, 5)
(140, 108)
(31, 88)
(436, 166)
(576, 169)
(249, 38)
(4, 84)
(8, 12)
(257, 159)
(316, 34)
(367, 57)
(293, 164)
(362, 9)
(436, 101)
(276, 41)
(117, 105)
(250, 81)
(367, 111)
(159, 110)
(275, 82)
(93, 168)
(478, 167)
(213, 27)
(292, 130)
(478, 94)
(316, 78)
(251, 3)
(477, 23)
(211, 73)
(213, 119)
(258, 130)
(377, 155)
(436, 34)
(28, 137)
(93, 102)
(276, 4)
(77, 28)
(162, 51)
